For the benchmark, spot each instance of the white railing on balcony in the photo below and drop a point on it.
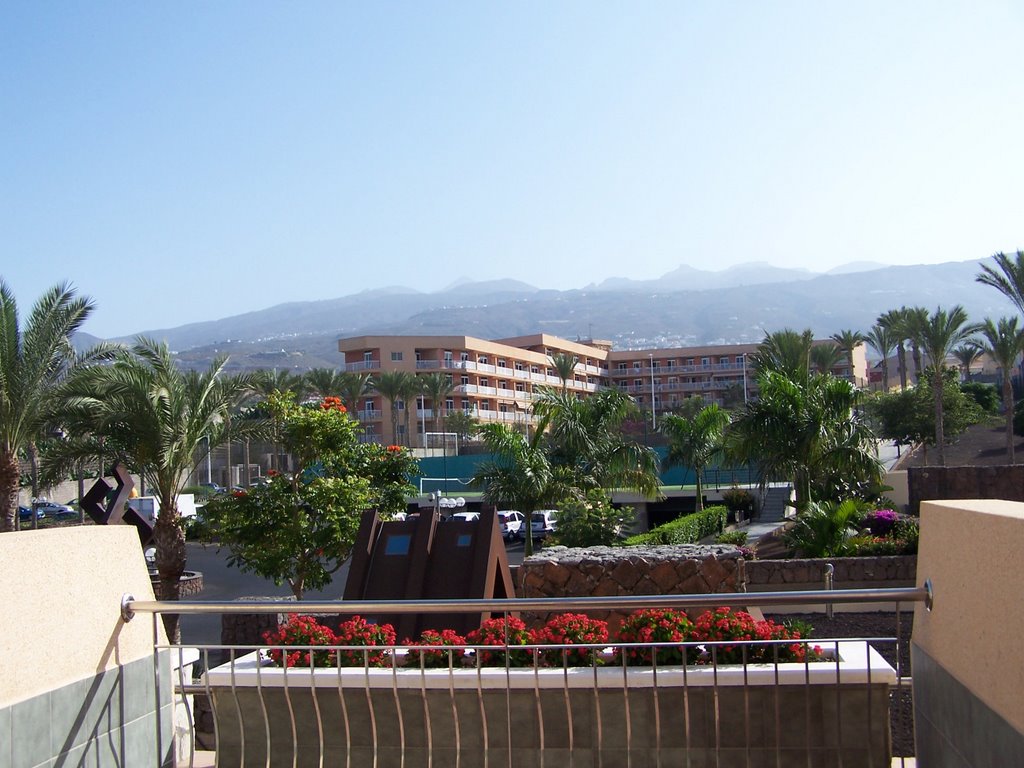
(363, 365)
(369, 415)
(486, 390)
(427, 364)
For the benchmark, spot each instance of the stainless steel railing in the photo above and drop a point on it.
(471, 715)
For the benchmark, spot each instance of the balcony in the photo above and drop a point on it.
(369, 415)
(364, 365)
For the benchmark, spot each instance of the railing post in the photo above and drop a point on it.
(830, 571)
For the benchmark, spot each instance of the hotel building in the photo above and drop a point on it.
(496, 380)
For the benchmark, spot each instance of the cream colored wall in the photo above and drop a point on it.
(60, 619)
(971, 552)
(900, 492)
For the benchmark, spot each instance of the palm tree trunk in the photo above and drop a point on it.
(1008, 405)
(169, 540)
(33, 459)
(700, 494)
(81, 493)
(9, 475)
(901, 354)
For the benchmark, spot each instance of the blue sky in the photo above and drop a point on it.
(187, 161)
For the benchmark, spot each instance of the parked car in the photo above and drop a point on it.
(25, 513)
(53, 509)
(511, 523)
(543, 522)
(465, 516)
(212, 487)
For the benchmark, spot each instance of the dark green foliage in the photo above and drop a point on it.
(739, 500)
(684, 530)
(909, 417)
(739, 538)
(590, 522)
(826, 529)
(985, 395)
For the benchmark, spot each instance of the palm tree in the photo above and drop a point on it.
(848, 341)
(967, 355)
(586, 443)
(33, 362)
(805, 432)
(881, 340)
(160, 421)
(825, 357)
(437, 387)
(1004, 342)
(786, 352)
(353, 387)
(943, 331)
(694, 443)
(895, 322)
(323, 382)
(1008, 279)
(392, 386)
(410, 393)
(266, 381)
(915, 319)
(518, 473)
(565, 366)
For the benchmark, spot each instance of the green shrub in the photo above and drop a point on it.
(826, 529)
(590, 522)
(985, 395)
(684, 530)
(739, 499)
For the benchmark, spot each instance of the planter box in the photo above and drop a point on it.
(820, 714)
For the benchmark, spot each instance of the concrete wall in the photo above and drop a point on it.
(987, 482)
(77, 684)
(968, 675)
(900, 493)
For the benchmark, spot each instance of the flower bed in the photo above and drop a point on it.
(436, 700)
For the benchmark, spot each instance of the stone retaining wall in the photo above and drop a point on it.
(607, 571)
(768, 575)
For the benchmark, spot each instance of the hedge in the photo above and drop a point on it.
(684, 530)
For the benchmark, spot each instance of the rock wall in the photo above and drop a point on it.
(778, 575)
(991, 482)
(611, 571)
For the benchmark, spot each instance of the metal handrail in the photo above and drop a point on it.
(130, 606)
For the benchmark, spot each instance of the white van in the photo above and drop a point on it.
(543, 522)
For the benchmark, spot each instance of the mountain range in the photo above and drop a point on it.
(686, 306)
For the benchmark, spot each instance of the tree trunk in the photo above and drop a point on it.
(169, 540)
(81, 493)
(901, 356)
(9, 476)
(700, 495)
(917, 363)
(1008, 405)
(940, 431)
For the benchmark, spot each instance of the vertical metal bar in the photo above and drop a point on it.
(839, 709)
(746, 706)
(238, 707)
(213, 704)
(686, 712)
(423, 700)
(717, 711)
(899, 672)
(871, 719)
(316, 708)
(291, 715)
(398, 702)
(483, 708)
(807, 711)
(156, 685)
(598, 731)
(187, 708)
(657, 712)
(259, 693)
(626, 707)
(537, 705)
(778, 707)
(344, 711)
(830, 572)
(455, 708)
(369, 705)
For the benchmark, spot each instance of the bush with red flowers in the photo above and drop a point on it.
(450, 647)
(724, 624)
(504, 632)
(359, 632)
(300, 630)
(571, 629)
(656, 625)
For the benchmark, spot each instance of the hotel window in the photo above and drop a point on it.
(689, 361)
(396, 357)
(368, 405)
(705, 361)
(637, 365)
(399, 405)
(656, 363)
(638, 382)
(739, 359)
(401, 429)
(482, 359)
(464, 379)
(723, 360)
(502, 407)
(484, 381)
(502, 384)
(520, 387)
(622, 367)
(519, 366)
(502, 363)
(449, 404)
(367, 357)
(448, 356)
(418, 356)
(465, 404)
(534, 369)
(464, 356)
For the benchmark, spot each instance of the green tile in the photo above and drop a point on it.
(5, 737)
(30, 732)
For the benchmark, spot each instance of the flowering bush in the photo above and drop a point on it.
(881, 521)
(656, 625)
(571, 629)
(439, 659)
(359, 632)
(799, 652)
(726, 624)
(300, 630)
(508, 631)
(333, 404)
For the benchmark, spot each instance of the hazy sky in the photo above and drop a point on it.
(188, 161)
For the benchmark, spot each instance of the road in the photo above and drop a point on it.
(222, 582)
